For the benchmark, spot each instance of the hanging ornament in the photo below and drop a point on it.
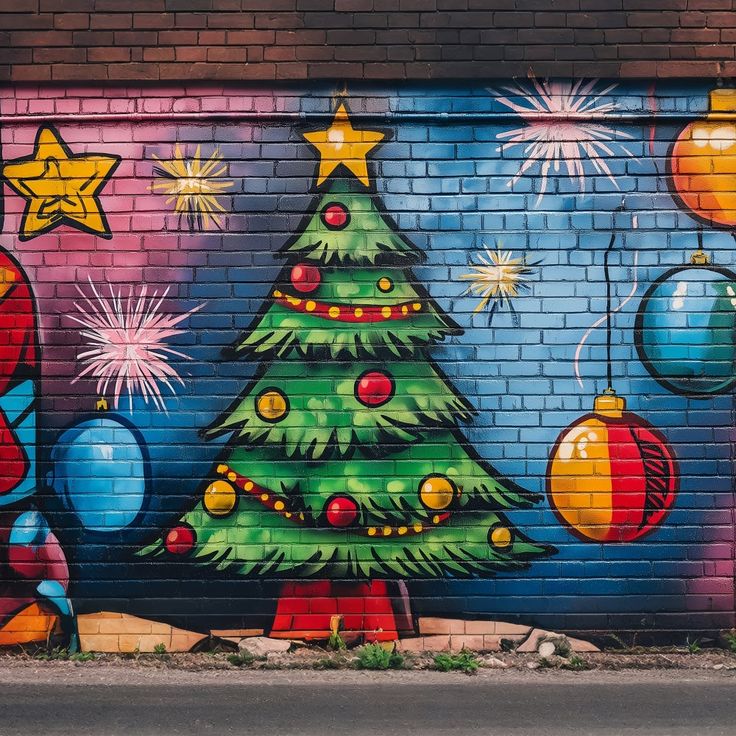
(220, 498)
(611, 476)
(305, 278)
(100, 467)
(272, 405)
(335, 216)
(703, 162)
(685, 330)
(385, 284)
(374, 388)
(341, 511)
(180, 540)
(500, 537)
(437, 492)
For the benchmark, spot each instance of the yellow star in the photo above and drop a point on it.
(60, 187)
(343, 144)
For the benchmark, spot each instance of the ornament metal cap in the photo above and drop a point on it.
(101, 404)
(699, 258)
(723, 100)
(608, 404)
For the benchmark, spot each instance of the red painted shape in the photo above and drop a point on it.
(628, 483)
(374, 388)
(18, 357)
(17, 323)
(342, 511)
(335, 216)
(44, 562)
(304, 610)
(14, 463)
(305, 278)
(180, 540)
(25, 562)
(643, 479)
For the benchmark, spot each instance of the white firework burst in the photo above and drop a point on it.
(562, 128)
(126, 339)
(498, 278)
(194, 185)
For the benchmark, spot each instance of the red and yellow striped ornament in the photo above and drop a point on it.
(611, 476)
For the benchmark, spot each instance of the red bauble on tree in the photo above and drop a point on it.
(335, 216)
(180, 540)
(374, 388)
(341, 511)
(305, 278)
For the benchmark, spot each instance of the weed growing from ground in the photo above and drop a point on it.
(375, 657)
(576, 664)
(730, 639)
(464, 661)
(242, 659)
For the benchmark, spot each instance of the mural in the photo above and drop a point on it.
(299, 367)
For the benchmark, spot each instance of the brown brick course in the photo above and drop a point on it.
(372, 39)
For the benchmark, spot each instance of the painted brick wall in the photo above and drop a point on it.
(198, 257)
(82, 40)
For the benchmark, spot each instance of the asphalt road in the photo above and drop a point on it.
(334, 703)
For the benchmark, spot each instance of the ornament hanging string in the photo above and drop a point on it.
(609, 311)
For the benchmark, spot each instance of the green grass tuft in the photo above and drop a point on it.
(375, 657)
(464, 661)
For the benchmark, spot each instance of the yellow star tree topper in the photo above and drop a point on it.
(60, 187)
(341, 144)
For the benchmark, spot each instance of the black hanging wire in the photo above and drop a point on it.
(609, 312)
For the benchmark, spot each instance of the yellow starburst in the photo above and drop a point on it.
(498, 278)
(194, 185)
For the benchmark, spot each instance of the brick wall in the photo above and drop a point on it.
(81, 40)
(306, 407)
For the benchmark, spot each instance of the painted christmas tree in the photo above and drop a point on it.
(346, 461)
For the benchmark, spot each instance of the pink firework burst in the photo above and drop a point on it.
(563, 128)
(126, 339)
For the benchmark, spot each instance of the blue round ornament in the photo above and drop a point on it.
(685, 330)
(100, 466)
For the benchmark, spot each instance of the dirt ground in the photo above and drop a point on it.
(32, 667)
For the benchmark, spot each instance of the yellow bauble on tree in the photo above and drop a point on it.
(500, 537)
(437, 492)
(272, 405)
(220, 498)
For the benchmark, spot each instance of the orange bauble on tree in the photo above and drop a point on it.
(703, 162)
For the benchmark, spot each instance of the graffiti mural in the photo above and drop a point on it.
(358, 362)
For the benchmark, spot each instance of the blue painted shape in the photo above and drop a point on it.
(29, 529)
(16, 403)
(686, 330)
(53, 591)
(17, 400)
(100, 468)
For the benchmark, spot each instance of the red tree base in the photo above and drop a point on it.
(367, 609)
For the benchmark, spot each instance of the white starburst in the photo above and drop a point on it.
(562, 128)
(126, 340)
(498, 278)
(194, 185)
